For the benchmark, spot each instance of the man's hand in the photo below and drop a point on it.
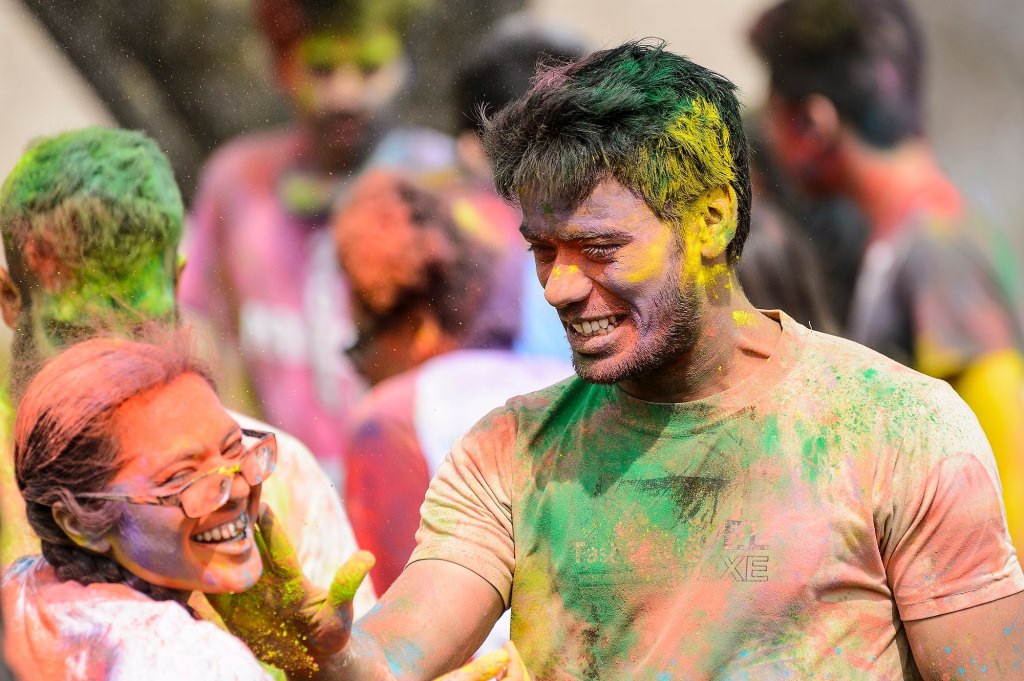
(502, 665)
(286, 621)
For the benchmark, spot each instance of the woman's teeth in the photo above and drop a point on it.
(226, 532)
(595, 327)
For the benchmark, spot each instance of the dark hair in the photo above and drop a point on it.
(864, 55)
(503, 63)
(63, 443)
(286, 22)
(97, 197)
(780, 269)
(833, 225)
(663, 126)
(400, 247)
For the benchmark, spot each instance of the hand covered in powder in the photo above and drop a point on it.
(501, 665)
(285, 620)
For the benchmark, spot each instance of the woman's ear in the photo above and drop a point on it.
(821, 120)
(71, 526)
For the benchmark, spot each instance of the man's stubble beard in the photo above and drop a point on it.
(655, 351)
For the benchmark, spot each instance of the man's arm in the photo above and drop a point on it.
(986, 641)
(438, 611)
(429, 622)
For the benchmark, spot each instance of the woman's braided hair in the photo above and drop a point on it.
(64, 444)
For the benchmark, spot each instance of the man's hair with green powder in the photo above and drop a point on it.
(663, 126)
(95, 197)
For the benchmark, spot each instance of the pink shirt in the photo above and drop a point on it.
(269, 283)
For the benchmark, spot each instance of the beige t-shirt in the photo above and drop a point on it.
(779, 529)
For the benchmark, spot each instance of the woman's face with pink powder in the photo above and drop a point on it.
(167, 437)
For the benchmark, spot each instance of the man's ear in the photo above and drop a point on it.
(719, 211)
(180, 262)
(71, 526)
(821, 122)
(428, 339)
(10, 298)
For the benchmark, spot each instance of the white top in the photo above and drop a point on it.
(110, 632)
(457, 389)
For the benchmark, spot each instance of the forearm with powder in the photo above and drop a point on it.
(362, 659)
(365, 659)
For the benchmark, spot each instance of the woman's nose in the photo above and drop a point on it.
(239, 488)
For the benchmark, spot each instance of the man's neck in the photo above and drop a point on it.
(325, 157)
(735, 341)
(890, 185)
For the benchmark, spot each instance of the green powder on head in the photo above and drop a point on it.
(95, 199)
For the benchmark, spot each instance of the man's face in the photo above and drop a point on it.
(803, 152)
(624, 284)
(384, 343)
(92, 300)
(339, 84)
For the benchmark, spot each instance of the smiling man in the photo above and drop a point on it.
(720, 492)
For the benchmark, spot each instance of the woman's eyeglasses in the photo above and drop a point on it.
(205, 493)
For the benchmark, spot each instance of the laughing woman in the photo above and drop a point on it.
(142, 489)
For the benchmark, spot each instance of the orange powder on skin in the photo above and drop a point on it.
(651, 259)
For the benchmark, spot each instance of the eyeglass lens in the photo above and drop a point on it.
(212, 491)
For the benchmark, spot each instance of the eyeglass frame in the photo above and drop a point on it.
(264, 437)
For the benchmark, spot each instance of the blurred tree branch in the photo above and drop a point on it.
(193, 73)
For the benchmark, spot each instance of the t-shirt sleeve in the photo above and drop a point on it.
(467, 515)
(944, 538)
(958, 310)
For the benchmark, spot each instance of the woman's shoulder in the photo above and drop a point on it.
(64, 629)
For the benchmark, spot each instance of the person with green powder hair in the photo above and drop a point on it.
(719, 493)
(91, 221)
(262, 276)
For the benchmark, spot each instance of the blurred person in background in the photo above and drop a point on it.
(91, 221)
(262, 273)
(500, 68)
(830, 224)
(938, 287)
(402, 431)
(780, 269)
(416, 295)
